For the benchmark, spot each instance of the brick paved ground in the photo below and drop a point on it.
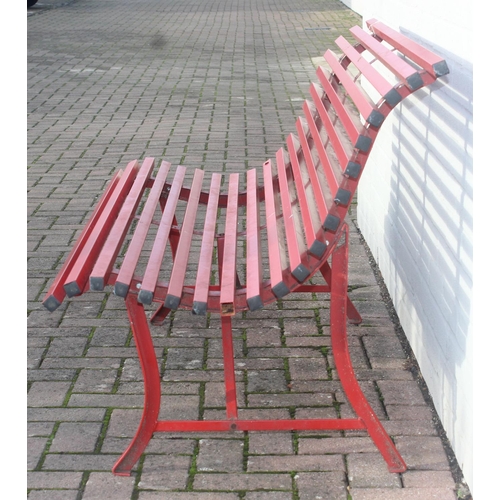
(216, 84)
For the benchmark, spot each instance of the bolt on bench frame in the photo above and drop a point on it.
(303, 201)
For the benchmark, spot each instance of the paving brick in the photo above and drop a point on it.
(243, 482)
(47, 393)
(76, 437)
(57, 480)
(104, 485)
(404, 494)
(53, 495)
(321, 485)
(220, 455)
(165, 472)
(295, 463)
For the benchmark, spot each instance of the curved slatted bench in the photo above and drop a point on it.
(194, 244)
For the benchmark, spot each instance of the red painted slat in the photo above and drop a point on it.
(364, 106)
(253, 247)
(334, 94)
(333, 135)
(313, 175)
(389, 59)
(305, 208)
(156, 257)
(107, 256)
(56, 293)
(381, 85)
(179, 267)
(328, 168)
(200, 298)
(274, 250)
(431, 62)
(79, 275)
(131, 258)
(294, 251)
(228, 272)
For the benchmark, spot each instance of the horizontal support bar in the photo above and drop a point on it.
(259, 425)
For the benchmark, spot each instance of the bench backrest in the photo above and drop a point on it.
(304, 195)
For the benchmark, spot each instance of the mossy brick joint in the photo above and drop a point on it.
(236, 250)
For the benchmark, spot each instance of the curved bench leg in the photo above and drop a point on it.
(152, 389)
(340, 349)
(352, 313)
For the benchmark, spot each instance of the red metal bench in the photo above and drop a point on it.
(235, 250)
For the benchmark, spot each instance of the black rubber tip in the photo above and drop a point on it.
(415, 81)
(353, 170)
(318, 248)
(51, 303)
(331, 223)
(121, 289)
(199, 308)
(343, 197)
(96, 284)
(363, 143)
(145, 297)
(72, 289)
(255, 303)
(172, 302)
(300, 273)
(280, 290)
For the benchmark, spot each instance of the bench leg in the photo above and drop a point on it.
(353, 315)
(152, 389)
(338, 320)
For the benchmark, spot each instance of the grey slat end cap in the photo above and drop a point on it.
(51, 303)
(255, 303)
(199, 308)
(353, 170)
(72, 289)
(96, 284)
(343, 197)
(363, 143)
(172, 302)
(376, 118)
(280, 290)
(300, 273)
(331, 223)
(441, 68)
(145, 297)
(415, 81)
(393, 97)
(121, 289)
(318, 248)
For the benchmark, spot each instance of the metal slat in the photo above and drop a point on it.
(131, 258)
(79, 274)
(389, 59)
(253, 250)
(56, 293)
(431, 62)
(307, 207)
(228, 271)
(276, 265)
(333, 135)
(156, 257)
(200, 299)
(103, 266)
(368, 112)
(333, 182)
(178, 274)
(381, 85)
(311, 169)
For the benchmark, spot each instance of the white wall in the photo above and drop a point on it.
(415, 209)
